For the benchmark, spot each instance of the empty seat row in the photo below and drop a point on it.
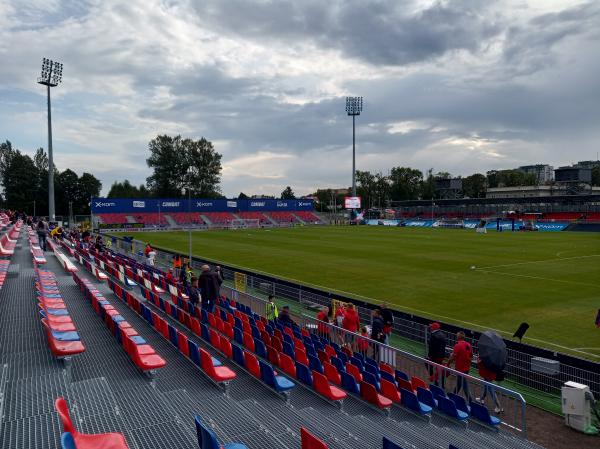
(34, 247)
(141, 353)
(63, 338)
(8, 240)
(211, 366)
(61, 257)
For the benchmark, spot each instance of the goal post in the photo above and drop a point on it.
(239, 223)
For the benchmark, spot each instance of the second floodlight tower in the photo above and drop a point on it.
(51, 76)
(354, 108)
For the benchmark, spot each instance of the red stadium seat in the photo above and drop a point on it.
(332, 373)
(354, 372)
(287, 364)
(369, 393)
(309, 441)
(390, 391)
(273, 356)
(249, 342)
(418, 382)
(217, 373)
(226, 347)
(323, 387)
(301, 357)
(252, 364)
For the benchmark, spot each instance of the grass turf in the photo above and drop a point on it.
(551, 280)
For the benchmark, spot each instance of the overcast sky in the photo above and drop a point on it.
(456, 85)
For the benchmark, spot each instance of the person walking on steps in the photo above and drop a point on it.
(42, 231)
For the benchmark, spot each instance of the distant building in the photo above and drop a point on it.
(544, 173)
(535, 191)
(587, 164)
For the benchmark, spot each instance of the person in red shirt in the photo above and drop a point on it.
(489, 376)
(147, 249)
(339, 315)
(363, 343)
(169, 277)
(461, 356)
(323, 329)
(351, 321)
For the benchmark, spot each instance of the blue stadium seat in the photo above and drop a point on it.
(259, 348)
(349, 383)
(173, 336)
(238, 335)
(481, 413)
(387, 376)
(335, 361)
(204, 332)
(370, 361)
(371, 379)
(402, 375)
(255, 332)
(236, 323)
(426, 397)
(437, 391)
(194, 355)
(310, 350)
(279, 383)
(446, 406)
(207, 439)
(389, 444)
(410, 400)
(319, 346)
(289, 350)
(359, 356)
(238, 355)
(374, 370)
(357, 362)
(342, 356)
(315, 364)
(303, 374)
(460, 402)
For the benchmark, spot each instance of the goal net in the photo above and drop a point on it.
(246, 223)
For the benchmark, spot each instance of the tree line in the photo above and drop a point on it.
(406, 183)
(24, 181)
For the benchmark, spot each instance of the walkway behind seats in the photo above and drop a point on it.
(107, 393)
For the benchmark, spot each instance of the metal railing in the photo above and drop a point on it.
(413, 334)
(511, 403)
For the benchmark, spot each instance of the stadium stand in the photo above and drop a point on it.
(186, 219)
(115, 407)
(219, 218)
(307, 217)
(283, 217)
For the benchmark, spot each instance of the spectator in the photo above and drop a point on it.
(351, 321)
(194, 293)
(151, 256)
(176, 265)
(271, 312)
(220, 278)
(461, 357)
(489, 376)
(284, 317)
(209, 287)
(388, 321)
(147, 250)
(42, 229)
(339, 315)
(436, 353)
(377, 331)
(363, 343)
(169, 277)
(322, 316)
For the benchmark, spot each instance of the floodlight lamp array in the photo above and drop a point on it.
(51, 72)
(354, 105)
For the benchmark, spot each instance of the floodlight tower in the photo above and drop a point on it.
(354, 108)
(51, 77)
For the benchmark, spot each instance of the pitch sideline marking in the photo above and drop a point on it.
(537, 277)
(539, 261)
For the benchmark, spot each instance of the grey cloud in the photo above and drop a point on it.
(379, 32)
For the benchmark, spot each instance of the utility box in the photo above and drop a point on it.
(545, 366)
(577, 406)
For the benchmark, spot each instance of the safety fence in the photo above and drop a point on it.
(542, 374)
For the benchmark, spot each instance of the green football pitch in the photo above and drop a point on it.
(493, 281)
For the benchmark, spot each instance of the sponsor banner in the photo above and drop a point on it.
(120, 226)
(352, 202)
(145, 205)
(373, 222)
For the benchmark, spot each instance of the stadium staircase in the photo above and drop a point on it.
(131, 219)
(206, 219)
(106, 392)
(172, 223)
(300, 220)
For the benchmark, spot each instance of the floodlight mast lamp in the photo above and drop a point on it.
(354, 108)
(51, 76)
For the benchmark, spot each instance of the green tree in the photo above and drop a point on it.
(474, 186)
(288, 194)
(179, 163)
(596, 176)
(405, 183)
(18, 178)
(89, 187)
(428, 186)
(206, 167)
(127, 190)
(365, 187)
